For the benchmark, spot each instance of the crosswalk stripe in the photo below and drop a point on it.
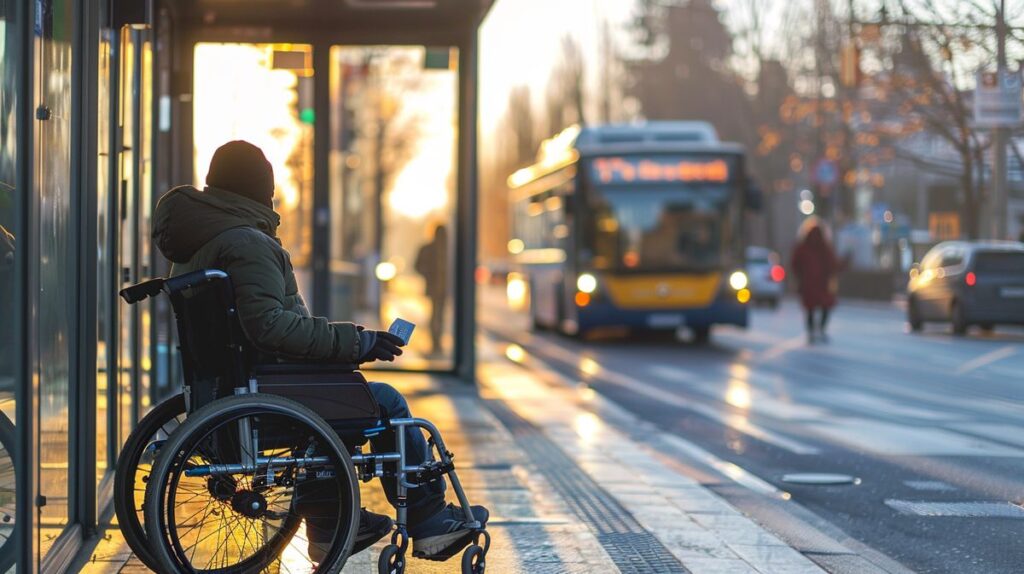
(957, 509)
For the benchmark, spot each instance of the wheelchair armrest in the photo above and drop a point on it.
(142, 291)
(300, 369)
(335, 392)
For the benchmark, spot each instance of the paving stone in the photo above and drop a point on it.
(776, 559)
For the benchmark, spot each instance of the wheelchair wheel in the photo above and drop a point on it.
(473, 560)
(391, 560)
(234, 484)
(133, 472)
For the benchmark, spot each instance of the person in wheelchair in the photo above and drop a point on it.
(231, 225)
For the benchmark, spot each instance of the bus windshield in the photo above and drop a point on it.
(659, 229)
(660, 212)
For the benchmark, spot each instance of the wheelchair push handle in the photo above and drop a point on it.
(153, 287)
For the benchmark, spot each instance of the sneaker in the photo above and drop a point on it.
(445, 534)
(372, 527)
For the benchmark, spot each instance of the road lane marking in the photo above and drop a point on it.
(930, 485)
(784, 347)
(876, 406)
(735, 421)
(760, 402)
(902, 440)
(1005, 433)
(987, 359)
(957, 509)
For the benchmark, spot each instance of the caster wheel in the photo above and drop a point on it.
(473, 560)
(391, 560)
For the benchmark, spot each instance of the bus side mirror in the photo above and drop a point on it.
(754, 199)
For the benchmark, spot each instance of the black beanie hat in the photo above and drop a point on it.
(240, 167)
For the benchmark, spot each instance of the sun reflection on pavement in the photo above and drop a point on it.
(737, 394)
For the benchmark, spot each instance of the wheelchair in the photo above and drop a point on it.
(238, 472)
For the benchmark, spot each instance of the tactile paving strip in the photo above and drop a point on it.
(630, 546)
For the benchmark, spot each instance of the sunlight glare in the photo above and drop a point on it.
(588, 426)
(515, 353)
(589, 366)
(737, 394)
(242, 97)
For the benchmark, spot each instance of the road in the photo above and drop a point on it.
(930, 426)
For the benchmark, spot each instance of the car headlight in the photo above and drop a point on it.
(586, 283)
(738, 280)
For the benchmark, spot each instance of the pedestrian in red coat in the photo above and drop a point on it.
(816, 268)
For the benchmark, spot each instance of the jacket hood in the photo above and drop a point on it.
(185, 219)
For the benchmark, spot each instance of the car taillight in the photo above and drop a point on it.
(970, 279)
(778, 273)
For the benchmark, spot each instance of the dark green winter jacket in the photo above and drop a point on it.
(217, 229)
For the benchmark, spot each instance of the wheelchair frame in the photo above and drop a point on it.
(242, 366)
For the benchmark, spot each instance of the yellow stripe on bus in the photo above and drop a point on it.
(663, 291)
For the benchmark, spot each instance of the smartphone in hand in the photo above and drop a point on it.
(402, 329)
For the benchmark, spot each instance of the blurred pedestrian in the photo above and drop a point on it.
(816, 268)
(432, 264)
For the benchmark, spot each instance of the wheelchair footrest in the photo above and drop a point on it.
(430, 472)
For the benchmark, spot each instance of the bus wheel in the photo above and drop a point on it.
(701, 335)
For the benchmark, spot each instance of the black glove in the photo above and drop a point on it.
(378, 346)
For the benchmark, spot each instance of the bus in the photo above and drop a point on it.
(635, 227)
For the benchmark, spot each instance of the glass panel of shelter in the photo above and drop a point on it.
(10, 198)
(262, 93)
(51, 266)
(393, 168)
(127, 235)
(106, 263)
(392, 171)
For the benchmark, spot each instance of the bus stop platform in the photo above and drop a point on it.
(568, 492)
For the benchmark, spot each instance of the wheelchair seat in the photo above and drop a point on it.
(218, 360)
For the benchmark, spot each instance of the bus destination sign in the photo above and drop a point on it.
(660, 170)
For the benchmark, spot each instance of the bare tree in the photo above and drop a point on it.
(566, 93)
(522, 124)
(394, 130)
(929, 51)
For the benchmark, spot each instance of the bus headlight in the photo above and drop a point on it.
(586, 283)
(738, 280)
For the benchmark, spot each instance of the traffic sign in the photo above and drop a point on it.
(997, 99)
(826, 173)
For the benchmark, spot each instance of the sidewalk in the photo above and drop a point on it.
(568, 494)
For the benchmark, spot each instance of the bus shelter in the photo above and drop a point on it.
(365, 108)
(368, 111)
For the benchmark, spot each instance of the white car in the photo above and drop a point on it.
(766, 274)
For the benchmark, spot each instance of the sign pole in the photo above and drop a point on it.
(1000, 191)
(997, 107)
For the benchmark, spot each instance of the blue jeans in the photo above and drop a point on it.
(318, 503)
